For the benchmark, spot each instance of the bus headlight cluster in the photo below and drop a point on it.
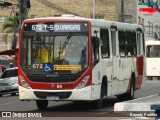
(82, 83)
(24, 83)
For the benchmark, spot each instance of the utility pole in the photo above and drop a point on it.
(24, 5)
(122, 10)
(22, 11)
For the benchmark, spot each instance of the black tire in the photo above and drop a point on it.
(0, 95)
(149, 78)
(99, 103)
(42, 104)
(130, 94)
(13, 94)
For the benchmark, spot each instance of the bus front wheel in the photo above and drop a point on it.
(42, 104)
(103, 92)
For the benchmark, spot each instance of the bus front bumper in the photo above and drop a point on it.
(55, 95)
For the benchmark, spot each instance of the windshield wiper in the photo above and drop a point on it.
(61, 49)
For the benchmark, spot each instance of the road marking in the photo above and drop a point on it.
(7, 103)
(126, 119)
(102, 113)
(143, 118)
(138, 118)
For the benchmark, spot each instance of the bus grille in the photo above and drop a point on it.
(61, 95)
(53, 79)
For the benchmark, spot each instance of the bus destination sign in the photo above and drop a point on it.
(56, 27)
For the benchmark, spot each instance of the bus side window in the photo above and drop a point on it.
(140, 44)
(122, 43)
(129, 47)
(95, 49)
(143, 40)
(134, 43)
(148, 50)
(104, 36)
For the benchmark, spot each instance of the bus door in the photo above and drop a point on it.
(140, 57)
(115, 60)
(96, 65)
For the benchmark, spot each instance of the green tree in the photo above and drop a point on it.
(10, 25)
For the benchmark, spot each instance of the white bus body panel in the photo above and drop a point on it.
(153, 67)
(153, 63)
(119, 74)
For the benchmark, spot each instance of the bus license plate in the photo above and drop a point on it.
(52, 98)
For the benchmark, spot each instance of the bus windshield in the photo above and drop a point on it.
(43, 53)
(153, 51)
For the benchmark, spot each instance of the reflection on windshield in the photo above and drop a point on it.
(153, 51)
(61, 53)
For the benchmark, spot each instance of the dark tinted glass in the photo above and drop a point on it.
(10, 73)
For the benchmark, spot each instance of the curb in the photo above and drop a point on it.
(140, 104)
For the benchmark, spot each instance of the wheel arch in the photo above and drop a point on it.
(105, 84)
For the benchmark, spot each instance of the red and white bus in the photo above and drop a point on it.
(78, 59)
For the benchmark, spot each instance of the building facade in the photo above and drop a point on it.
(103, 9)
(148, 13)
(114, 10)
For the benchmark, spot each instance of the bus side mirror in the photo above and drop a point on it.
(95, 42)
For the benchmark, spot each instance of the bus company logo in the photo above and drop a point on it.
(153, 4)
(152, 7)
(149, 10)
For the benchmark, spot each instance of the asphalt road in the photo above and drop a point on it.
(74, 109)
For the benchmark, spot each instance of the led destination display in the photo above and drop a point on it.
(56, 27)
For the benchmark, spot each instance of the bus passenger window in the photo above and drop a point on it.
(153, 51)
(129, 47)
(139, 43)
(122, 43)
(134, 43)
(95, 48)
(104, 36)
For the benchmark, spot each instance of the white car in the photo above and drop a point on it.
(9, 81)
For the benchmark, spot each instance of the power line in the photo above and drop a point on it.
(54, 6)
(5, 4)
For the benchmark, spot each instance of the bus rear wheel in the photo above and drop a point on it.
(129, 95)
(42, 104)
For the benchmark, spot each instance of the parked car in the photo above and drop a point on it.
(9, 81)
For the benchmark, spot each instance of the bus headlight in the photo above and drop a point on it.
(82, 83)
(24, 83)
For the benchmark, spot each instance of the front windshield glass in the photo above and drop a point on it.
(153, 51)
(43, 53)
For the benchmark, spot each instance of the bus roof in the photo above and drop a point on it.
(106, 23)
(152, 42)
(95, 22)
